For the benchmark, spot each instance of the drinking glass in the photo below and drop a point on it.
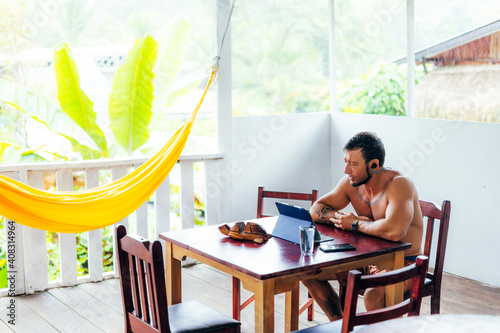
(306, 239)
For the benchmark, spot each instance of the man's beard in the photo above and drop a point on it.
(364, 181)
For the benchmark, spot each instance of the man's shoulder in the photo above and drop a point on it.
(400, 183)
(396, 176)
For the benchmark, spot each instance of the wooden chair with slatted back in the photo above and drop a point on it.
(432, 286)
(312, 197)
(142, 283)
(357, 281)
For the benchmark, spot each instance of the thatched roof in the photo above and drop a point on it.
(460, 92)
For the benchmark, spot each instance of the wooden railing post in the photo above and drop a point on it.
(94, 236)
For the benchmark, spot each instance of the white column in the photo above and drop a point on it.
(333, 81)
(410, 39)
(333, 64)
(224, 103)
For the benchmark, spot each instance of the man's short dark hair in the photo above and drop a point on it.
(370, 144)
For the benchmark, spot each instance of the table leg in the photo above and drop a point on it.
(173, 276)
(292, 309)
(394, 293)
(264, 306)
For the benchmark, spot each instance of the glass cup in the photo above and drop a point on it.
(307, 240)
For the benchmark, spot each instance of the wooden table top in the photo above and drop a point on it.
(277, 257)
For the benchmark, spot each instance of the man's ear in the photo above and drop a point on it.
(374, 163)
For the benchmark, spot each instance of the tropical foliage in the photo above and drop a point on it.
(130, 109)
(382, 90)
(130, 103)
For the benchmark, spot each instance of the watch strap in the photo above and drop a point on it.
(354, 226)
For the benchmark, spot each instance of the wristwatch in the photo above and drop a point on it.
(354, 226)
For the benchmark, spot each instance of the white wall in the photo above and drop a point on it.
(282, 153)
(450, 160)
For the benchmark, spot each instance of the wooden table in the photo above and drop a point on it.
(276, 266)
(456, 323)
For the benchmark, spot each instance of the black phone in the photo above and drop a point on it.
(336, 247)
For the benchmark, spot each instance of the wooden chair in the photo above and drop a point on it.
(312, 197)
(142, 282)
(357, 281)
(432, 285)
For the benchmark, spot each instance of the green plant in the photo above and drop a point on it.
(131, 106)
(382, 90)
(131, 103)
(3, 256)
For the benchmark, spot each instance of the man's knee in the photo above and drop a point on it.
(374, 298)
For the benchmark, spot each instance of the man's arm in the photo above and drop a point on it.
(326, 206)
(398, 215)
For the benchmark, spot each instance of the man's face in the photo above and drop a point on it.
(356, 168)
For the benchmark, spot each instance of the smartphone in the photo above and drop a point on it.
(336, 247)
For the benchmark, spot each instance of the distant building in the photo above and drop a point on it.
(465, 81)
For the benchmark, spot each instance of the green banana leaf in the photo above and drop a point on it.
(13, 154)
(173, 47)
(47, 113)
(131, 98)
(86, 152)
(72, 99)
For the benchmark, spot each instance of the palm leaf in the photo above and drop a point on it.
(14, 154)
(47, 113)
(72, 99)
(132, 95)
(173, 46)
(86, 152)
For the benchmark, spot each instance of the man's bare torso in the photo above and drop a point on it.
(374, 207)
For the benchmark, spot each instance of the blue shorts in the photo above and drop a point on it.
(411, 258)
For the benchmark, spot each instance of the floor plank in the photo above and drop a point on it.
(97, 307)
(59, 315)
(90, 308)
(26, 318)
(105, 292)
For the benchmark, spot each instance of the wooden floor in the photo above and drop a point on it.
(96, 307)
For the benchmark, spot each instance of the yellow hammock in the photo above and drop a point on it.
(65, 211)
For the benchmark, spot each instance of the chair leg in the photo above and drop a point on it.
(309, 305)
(310, 308)
(237, 305)
(435, 304)
(236, 299)
(342, 291)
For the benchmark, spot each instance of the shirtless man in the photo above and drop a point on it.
(386, 205)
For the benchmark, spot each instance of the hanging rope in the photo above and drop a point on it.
(77, 211)
(217, 57)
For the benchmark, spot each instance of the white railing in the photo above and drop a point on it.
(29, 250)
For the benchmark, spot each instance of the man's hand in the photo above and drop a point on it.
(344, 221)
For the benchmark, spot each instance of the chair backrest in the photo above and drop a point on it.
(433, 213)
(312, 197)
(411, 306)
(142, 282)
